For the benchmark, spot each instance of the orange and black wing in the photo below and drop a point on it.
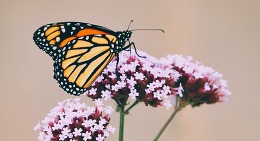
(52, 38)
(82, 61)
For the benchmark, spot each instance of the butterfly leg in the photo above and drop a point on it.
(117, 61)
(129, 46)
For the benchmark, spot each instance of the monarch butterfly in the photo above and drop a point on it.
(80, 51)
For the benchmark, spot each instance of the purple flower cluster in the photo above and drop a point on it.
(156, 82)
(75, 121)
(141, 79)
(197, 83)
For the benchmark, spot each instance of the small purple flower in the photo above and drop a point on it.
(72, 120)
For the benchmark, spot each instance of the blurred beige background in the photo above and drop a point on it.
(223, 34)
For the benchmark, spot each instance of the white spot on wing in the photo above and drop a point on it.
(57, 39)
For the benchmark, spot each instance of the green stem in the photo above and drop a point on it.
(130, 107)
(121, 126)
(165, 125)
(176, 109)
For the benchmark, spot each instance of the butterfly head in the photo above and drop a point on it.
(126, 35)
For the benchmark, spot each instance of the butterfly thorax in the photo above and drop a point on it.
(122, 38)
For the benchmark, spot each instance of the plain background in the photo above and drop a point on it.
(223, 34)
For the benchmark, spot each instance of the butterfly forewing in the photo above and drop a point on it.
(53, 37)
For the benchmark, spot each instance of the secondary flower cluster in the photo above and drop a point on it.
(197, 83)
(75, 121)
(156, 82)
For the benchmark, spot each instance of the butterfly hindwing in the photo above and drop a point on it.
(82, 61)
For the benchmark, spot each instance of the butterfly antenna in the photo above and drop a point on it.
(129, 25)
(148, 29)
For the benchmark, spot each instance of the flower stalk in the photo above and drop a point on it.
(131, 106)
(176, 109)
(121, 123)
